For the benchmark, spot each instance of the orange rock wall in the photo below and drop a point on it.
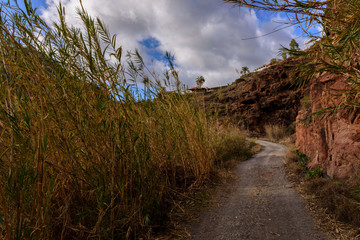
(332, 142)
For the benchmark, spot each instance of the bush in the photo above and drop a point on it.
(314, 173)
(231, 144)
(302, 159)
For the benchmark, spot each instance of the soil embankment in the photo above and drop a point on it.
(261, 204)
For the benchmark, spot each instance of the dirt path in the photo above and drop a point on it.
(262, 204)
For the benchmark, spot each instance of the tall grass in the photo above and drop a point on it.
(275, 132)
(231, 144)
(84, 152)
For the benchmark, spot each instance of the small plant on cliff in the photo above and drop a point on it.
(274, 60)
(291, 51)
(302, 159)
(313, 173)
(244, 70)
(294, 46)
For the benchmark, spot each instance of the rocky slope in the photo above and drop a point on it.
(269, 97)
(266, 97)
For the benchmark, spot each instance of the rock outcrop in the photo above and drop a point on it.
(266, 97)
(333, 140)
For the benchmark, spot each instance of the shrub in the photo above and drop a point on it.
(336, 196)
(302, 159)
(313, 173)
(231, 144)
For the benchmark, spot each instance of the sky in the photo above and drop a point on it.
(209, 38)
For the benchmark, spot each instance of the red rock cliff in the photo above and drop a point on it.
(332, 142)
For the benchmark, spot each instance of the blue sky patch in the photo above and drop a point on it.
(152, 44)
(35, 4)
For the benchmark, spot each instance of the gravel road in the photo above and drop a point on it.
(262, 204)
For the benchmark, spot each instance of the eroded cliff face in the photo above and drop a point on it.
(266, 97)
(331, 142)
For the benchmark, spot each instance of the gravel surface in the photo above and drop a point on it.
(262, 204)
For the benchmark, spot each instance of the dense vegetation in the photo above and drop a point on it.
(84, 152)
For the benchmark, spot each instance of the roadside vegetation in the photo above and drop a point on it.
(86, 152)
(229, 146)
(332, 201)
(275, 132)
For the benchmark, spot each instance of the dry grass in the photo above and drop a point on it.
(275, 132)
(338, 197)
(84, 152)
(231, 144)
(334, 204)
(233, 149)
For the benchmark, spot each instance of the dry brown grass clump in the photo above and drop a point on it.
(275, 132)
(338, 201)
(231, 144)
(293, 166)
(341, 198)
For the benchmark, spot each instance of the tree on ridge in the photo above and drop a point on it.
(200, 81)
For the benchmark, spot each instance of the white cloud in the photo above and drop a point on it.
(206, 36)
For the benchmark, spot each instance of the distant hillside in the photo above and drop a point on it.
(267, 96)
